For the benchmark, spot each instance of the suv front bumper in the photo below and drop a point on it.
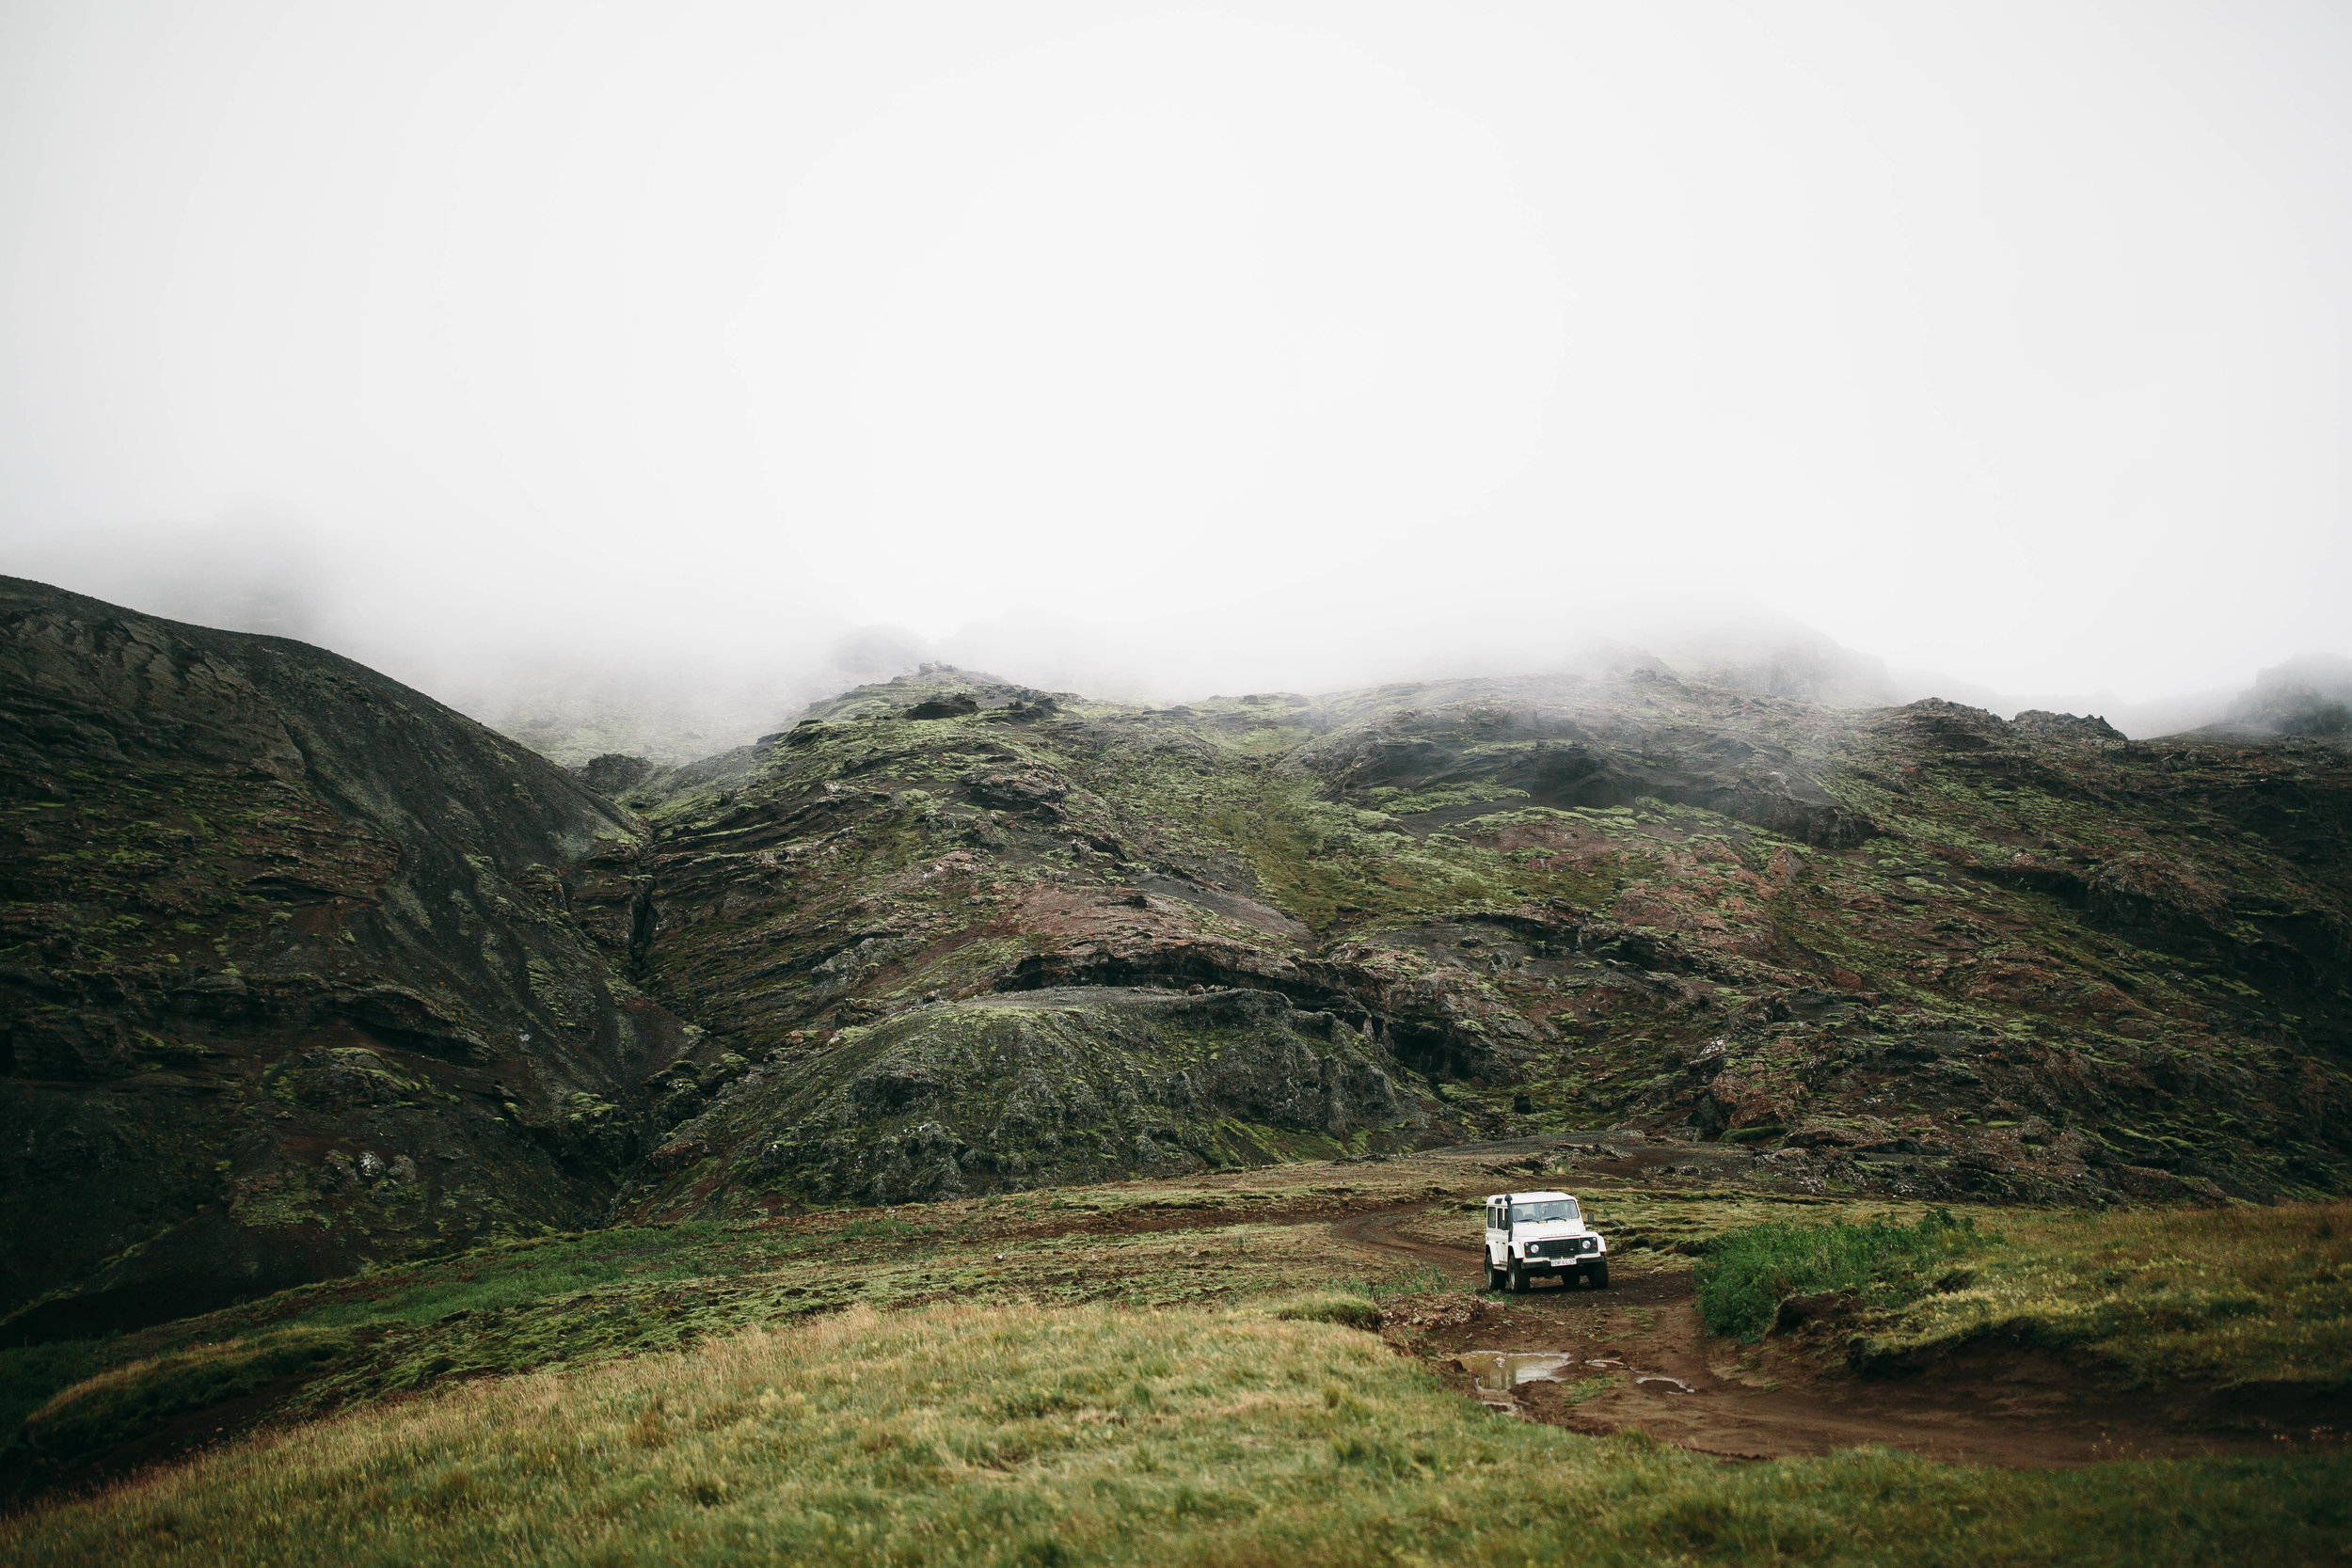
(1576, 1264)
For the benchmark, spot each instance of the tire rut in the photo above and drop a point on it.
(1647, 1365)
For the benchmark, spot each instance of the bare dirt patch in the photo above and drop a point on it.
(1634, 1357)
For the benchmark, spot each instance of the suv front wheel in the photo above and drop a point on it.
(1518, 1277)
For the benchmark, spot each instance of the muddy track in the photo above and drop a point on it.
(1637, 1359)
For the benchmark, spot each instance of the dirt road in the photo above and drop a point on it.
(1636, 1359)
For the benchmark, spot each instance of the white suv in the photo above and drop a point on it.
(1534, 1235)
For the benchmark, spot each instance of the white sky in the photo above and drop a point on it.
(1296, 341)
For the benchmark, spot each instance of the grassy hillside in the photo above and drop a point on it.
(1153, 1372)
(1090, 1434)
(2228, 1299)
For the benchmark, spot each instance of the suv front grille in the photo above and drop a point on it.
(1568, 1246)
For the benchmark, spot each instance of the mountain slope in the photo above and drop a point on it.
(953, 935)
(300, 969)
(290, 972)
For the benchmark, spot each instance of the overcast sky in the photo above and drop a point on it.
(1315, 340)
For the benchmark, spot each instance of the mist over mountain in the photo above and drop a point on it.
(2309, 696)
(836, 781)
(686, 672)
(574, 711)
(612, 378)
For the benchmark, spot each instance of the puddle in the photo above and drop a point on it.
(1675, 1382)
(1500, 1371)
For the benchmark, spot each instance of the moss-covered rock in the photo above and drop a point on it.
(1024, 1088)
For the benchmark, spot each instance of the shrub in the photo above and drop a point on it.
(1744, 1275)
(1332, 1307)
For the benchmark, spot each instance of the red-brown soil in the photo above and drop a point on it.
(1989, 1405)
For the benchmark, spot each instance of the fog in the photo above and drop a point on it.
(683, 360)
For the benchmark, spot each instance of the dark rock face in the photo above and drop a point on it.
(291, 975)
(613, 773)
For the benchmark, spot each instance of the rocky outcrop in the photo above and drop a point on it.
(613, 773)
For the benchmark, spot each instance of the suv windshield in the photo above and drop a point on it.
(1557, 1209)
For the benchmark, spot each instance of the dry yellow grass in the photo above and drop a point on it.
(1008, 1434)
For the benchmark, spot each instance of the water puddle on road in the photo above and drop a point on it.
(1498, 1371)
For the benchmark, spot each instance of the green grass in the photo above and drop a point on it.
(31, 1375)
(576, 1300)
(520, 1274)
(1343, 1307)
(1093, 1435)
(2207, 1298)
(140, 1396)
(1746, 1274)
(513, 1304)
(998, 1381)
